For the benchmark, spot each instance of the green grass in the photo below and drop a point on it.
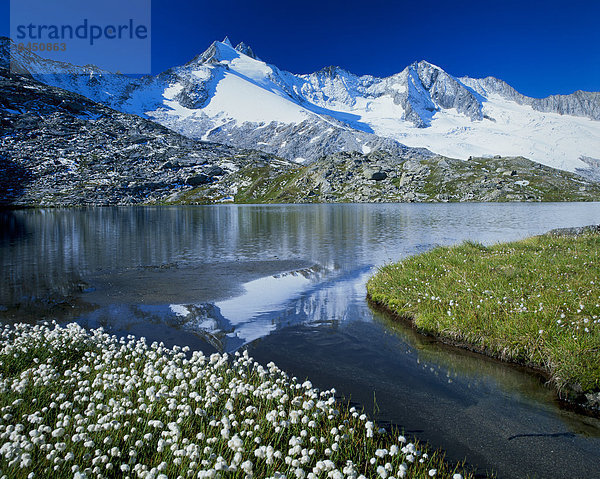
(534, 302)
(266, 186)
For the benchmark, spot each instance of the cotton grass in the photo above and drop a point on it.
(83, 404)
(535, 302)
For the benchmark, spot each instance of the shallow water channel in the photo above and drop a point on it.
(288, 283)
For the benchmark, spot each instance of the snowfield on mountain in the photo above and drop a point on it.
(229, 95)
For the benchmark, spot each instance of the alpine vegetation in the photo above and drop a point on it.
(533, 302)
(77, 403)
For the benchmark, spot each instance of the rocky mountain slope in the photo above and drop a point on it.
(580, 103)
(58, 148)
(229, 95)
(382, 177)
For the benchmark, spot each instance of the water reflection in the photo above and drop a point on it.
(450, 364)
(11, 227)
(211, 278)
(53, 251)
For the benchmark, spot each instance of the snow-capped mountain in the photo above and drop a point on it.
(229, 95)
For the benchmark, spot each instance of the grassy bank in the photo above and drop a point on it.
(534, 302)
(85, 404)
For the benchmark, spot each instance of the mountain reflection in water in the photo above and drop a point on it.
(287, 282)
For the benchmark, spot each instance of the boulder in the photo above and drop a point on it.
(214, 171)
(198, 180)
(375, 175)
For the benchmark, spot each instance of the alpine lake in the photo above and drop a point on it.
(287, 283)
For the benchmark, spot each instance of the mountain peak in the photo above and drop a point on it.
(246, 50)
(224, 51)
(332, 70)
(216, 53)
(425, 65)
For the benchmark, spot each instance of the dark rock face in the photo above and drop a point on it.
(58, 148)
(191, 95)
(375, 175)
(292, 141)
(580, 103)
(246, 50)
(446, 91)
(214, 171)
(198, 180)
(379, 176)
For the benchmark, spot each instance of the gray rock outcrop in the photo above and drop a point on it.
(579, 103)
(58, 148)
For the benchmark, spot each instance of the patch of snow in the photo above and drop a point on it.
(172, 91)
(548, 138)
(398, 87)
(179, 310)
(243, 101)
(228, 165)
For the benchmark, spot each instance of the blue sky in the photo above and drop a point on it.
(540, 48)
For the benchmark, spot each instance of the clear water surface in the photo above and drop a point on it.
(288, 283)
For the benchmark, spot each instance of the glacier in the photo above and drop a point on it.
(229, 95)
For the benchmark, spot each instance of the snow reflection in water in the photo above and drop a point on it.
(237, 321)
(192, 276)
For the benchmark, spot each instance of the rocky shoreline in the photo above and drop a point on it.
(383, 177)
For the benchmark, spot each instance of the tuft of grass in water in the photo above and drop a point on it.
(534, 302)
(82, 404)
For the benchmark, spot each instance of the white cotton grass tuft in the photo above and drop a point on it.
(83, 404)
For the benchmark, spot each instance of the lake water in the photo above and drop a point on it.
(287, 282)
